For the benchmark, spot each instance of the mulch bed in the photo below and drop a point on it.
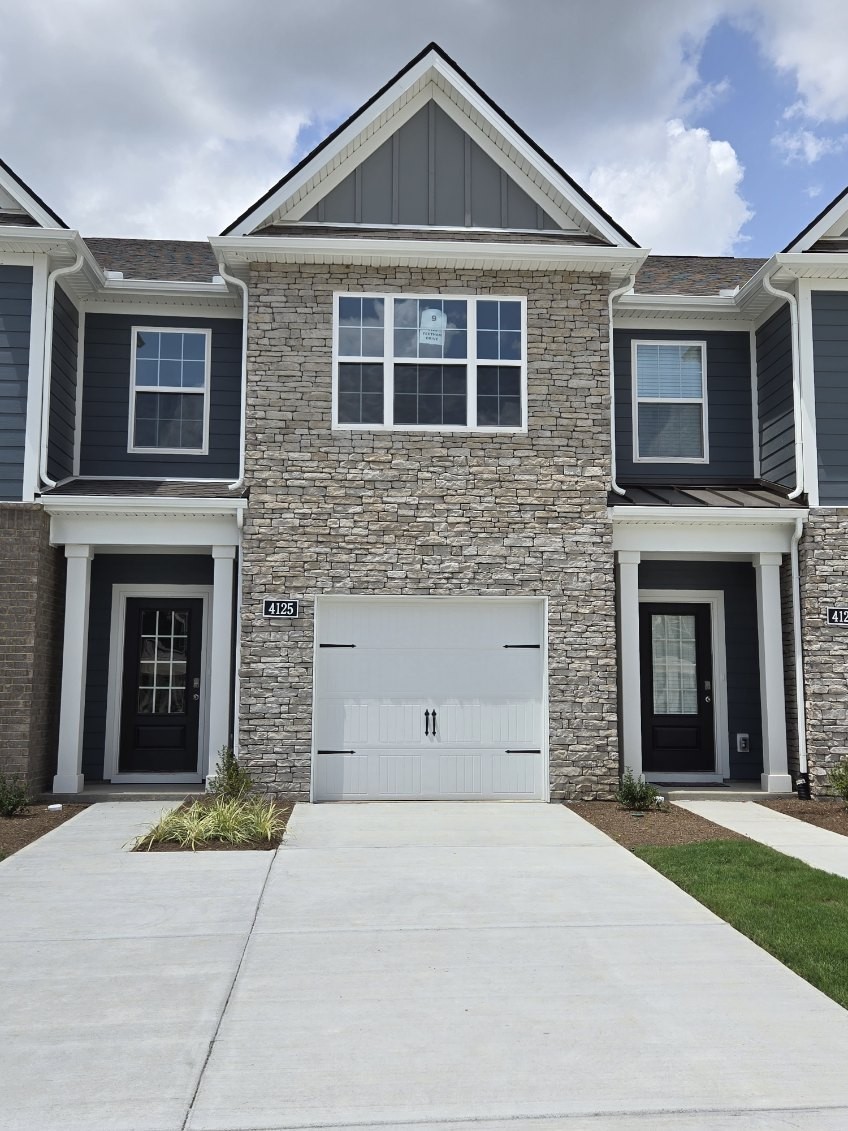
(283, 807)
(827, 814)
(668, 826)
(31, 823)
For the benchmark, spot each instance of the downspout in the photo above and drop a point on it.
(613, 295)
(803, 785)
(796, 381)
(48, 366)
(234, 486)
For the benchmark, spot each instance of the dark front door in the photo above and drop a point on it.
(160, 704)
(678, 734)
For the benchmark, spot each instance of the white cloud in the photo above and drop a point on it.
(808, 42)
(682, 197)
(808, 147)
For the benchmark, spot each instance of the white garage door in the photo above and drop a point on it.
(438, 699)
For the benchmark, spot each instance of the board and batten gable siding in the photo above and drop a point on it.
(106, 401)
(775, 400)
(15, 315)
(738, 583)
(63, 387)
(729, 417)
(830, 366)
(108, 570)
(430, 172)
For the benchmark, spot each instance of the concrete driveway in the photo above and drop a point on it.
(433, 966)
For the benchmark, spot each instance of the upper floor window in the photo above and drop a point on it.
(169, 396)
(670, 402)
(430, 363)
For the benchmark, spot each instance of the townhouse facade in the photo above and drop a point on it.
(422, 480)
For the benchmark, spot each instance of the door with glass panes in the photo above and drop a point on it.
(678, 732)
(160, 701)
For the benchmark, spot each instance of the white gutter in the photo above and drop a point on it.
(613, 295)
(800, 703)
(796, 381)
(243, 424)
(48, 365)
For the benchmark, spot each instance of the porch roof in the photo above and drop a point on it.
(751, 496)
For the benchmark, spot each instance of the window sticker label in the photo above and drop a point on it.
(431, 329)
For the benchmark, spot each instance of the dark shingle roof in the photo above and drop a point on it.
(694, 274)
(145, 488)
(189, 261)
(742, 497)
(547, 235)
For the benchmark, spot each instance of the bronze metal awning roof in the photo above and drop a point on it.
(144, 488)
(748, 497)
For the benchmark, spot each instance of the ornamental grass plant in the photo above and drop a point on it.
(238, 822)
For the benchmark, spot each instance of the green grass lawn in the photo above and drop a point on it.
(796, 913)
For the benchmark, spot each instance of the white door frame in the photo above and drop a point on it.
(715, 599)
(114, 692)
(322, 599)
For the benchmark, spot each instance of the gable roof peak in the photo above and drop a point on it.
(23, 199)
(431, 74)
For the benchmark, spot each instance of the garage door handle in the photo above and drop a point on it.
(427, 722)
(434, 720)
(522, 645)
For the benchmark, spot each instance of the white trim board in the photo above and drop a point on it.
(715, 599)
(117, 632)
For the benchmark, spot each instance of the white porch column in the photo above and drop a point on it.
(220, 653)
(631, 702)
(69, 777)
(775, 777)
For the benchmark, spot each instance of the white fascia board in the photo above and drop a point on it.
(820, 229)
(26, 201)
(165, 287)
(330, 153)
(421, 72)
(236, 251)
(726, 532)
(638, 308)
(738, 516)
(148, 504)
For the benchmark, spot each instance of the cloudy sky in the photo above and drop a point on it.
(704, 126)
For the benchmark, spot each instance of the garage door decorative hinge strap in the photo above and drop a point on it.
(336, 645)
(522, 751)
(522, 645)
(336, 751)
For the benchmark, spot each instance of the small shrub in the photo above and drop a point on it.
(14, 795)
(232, 780)
(226, 820)
(636, 793)
(838, 778)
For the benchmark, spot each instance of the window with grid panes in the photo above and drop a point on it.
(430, 362)
(170, 376)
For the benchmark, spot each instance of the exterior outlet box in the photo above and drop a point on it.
(743, 744)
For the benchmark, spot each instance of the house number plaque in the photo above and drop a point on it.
(837, 615)
(280, 608)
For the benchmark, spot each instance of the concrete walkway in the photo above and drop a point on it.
(484, 967)
(820, 848)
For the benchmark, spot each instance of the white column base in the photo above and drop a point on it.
(68, 783)
(776, 783)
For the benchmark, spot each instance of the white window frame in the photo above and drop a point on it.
(205, 391)
(637, 400)
(388, 362)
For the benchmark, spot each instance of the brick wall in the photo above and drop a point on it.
(824, 581)
(418, 513)
(31, 611)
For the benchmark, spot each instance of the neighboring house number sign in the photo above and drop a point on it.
(280, 607)
(837, 615)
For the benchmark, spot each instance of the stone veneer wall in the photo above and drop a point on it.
(31, 616)
(428, 513)
(824, 581)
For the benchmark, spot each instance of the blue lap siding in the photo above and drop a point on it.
(106, 401)
(830, 352)
(63, 390)
(729, 414)
(775, 399)
(15, 313)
